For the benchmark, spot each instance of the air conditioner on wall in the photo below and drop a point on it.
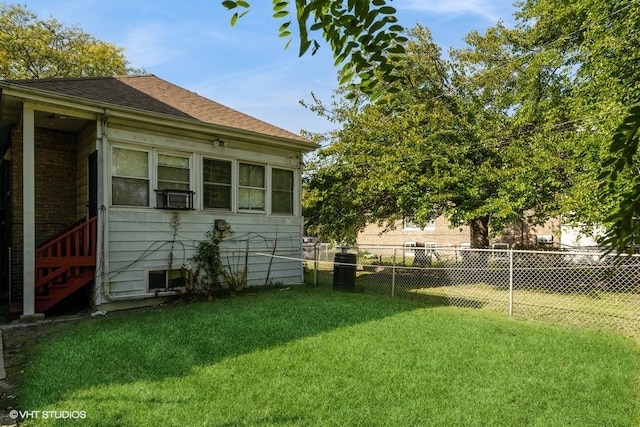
(544, 239)
(174, 199)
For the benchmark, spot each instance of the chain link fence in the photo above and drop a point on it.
(581, 288)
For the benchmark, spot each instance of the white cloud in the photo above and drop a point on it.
(150, 45)
(486, 9)
(270, 92)
(256, 88)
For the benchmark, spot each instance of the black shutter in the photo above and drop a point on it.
(93, 184)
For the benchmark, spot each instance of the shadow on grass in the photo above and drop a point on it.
(407, 285)
(171, 341)
(379, 283)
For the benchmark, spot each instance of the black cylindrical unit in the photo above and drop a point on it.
(344, 272)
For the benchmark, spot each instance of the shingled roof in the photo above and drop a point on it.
(155, 95)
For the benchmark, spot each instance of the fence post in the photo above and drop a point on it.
(316, 254)
(510, 282)
(393, 274)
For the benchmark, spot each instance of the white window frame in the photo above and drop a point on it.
(147, 284)
(265, 189)
(196, 179)
(232, 184)
(409, 225)
(149, 177)
(156, 164)
(294, 191)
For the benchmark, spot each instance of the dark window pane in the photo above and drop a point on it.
(217, 196)
(166, 173)
(171, 185)
(216, 171)
(282, 202)
(157, 279)
(177, 278)
(216, 184)
(251, 175)
(282, 191)
(130, 192)
(282, 180)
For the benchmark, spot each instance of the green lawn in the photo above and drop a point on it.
(592, 307)
(313, 357)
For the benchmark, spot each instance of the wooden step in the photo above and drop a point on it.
(59, 293)
(65, 264)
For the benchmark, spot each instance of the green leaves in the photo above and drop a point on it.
(445, 141)
(625, 141)
(236, 4)
(625, 221)
(34, 48)
(364, 36)
(595, 41)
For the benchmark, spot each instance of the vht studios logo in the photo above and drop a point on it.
(60, 415)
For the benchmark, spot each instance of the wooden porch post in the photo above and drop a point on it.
(28, 210)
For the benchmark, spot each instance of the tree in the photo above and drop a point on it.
(364, 35)
(32, 48)
(586, 52)
(456, 137)
(624, 230)
(600, 41)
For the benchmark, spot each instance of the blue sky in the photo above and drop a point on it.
(191, 44)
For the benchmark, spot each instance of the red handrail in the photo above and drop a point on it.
(66, 263)
(77, 241)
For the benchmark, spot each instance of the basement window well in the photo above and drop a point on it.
(167, 279)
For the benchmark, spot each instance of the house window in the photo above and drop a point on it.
(408, 224)
(166, 279)
(251, 187)
(216, 177)
(129, 177)
(173, 172)
(281, 191)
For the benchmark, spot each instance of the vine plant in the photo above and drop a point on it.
(209, 267)
(175, 227)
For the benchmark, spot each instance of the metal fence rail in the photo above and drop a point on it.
(581, 288)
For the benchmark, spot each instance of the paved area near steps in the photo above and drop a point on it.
(5, 387)
(20, 334)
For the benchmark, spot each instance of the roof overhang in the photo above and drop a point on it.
(83, 108)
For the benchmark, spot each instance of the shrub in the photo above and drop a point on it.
(209, 268)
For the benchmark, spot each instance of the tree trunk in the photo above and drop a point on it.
(480, 232)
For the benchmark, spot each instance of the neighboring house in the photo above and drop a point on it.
(578, 236)
(439, 233)
(108, 184)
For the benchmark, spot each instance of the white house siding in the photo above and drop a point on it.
(141, 239)
(576, 236)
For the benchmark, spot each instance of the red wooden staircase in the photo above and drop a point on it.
(65, 264)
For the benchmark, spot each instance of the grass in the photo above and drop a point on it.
(312, 357)
(591, 307)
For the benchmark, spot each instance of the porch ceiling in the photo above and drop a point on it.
(11, 112)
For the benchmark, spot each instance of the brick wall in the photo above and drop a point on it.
(55, 189)
(441, 234)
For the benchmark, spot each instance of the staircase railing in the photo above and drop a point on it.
(65, 264)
